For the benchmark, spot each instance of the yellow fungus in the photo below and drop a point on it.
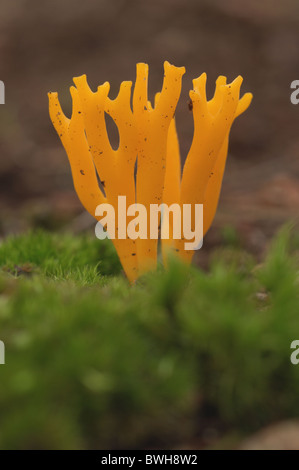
(148, 136)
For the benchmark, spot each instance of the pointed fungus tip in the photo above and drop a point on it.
(80, 79)
(142, 66)
(73, 90)
(237, 81)
(221, 80)
(168, 65)
(126, 84)
(105, 87)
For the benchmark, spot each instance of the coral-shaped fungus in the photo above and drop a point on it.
(148, 135)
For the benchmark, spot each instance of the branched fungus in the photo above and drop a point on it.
(147, 136)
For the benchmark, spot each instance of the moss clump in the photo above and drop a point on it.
(59, 256)
(94, 363)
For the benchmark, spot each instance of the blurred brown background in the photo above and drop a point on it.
(44, 44)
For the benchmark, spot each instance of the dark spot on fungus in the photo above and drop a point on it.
(82, 172)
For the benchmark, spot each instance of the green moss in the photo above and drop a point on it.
(61, 256)
(94, 363)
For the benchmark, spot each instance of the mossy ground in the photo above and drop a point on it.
(92, 362)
